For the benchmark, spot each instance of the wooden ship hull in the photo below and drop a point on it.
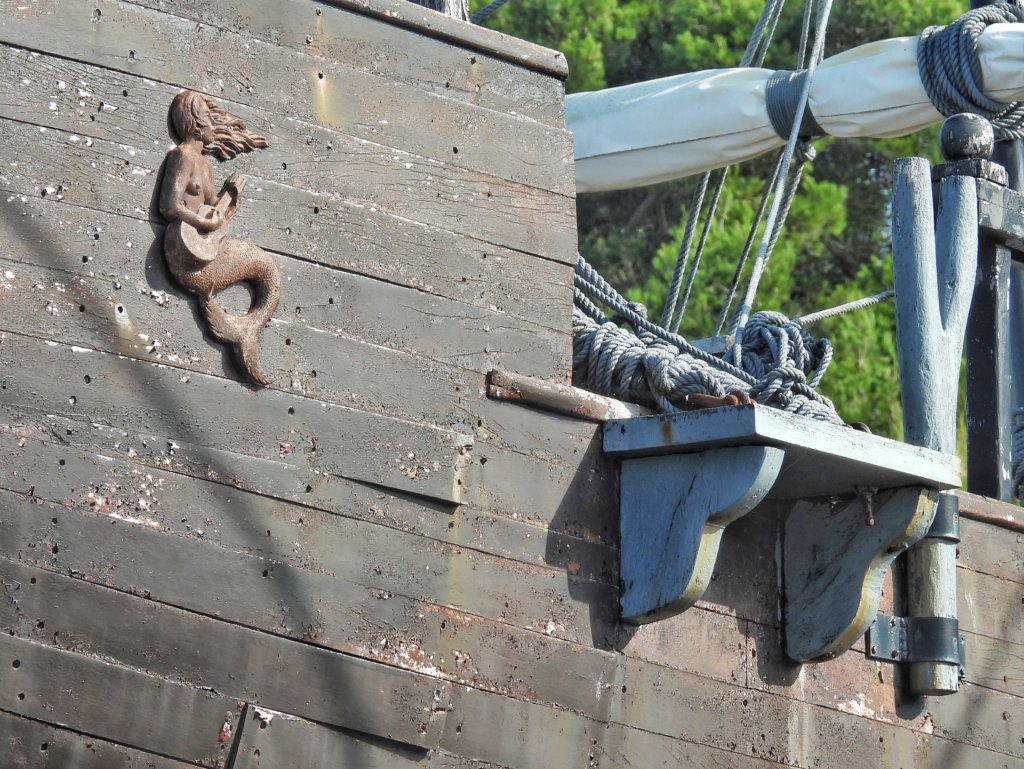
(368, 563)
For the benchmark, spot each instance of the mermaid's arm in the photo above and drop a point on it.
(172, 206)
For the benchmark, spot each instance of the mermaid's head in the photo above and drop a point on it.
(196, 116)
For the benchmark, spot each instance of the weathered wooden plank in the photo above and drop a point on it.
(137, 310)
(338, 689)
(995, 664)
(291, 83)
(28, 744)
(324, 298)
(27, 450)
(87, 695)
(842, 458)
(522, 52)
(937, 753)
(361, 554)
(719, 723)
(374, 45)
(991, 550)
(301, 603)
(271, 739)
(335, 167)
(990, 606)
(43, 379)
(373, 242)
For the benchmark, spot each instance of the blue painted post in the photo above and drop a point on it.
(934, 266)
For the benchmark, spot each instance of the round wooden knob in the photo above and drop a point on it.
(967, 136)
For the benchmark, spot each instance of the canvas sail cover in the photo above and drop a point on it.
(685, 124)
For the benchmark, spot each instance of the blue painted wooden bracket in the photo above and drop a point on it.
(687, 476)
(674, 510)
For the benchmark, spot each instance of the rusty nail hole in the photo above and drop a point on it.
(291, 411)
(320, 75)
(55, 549)
(40, 624)
(288, 342)
(623, 689)
(472, 59)
(87, 378)
(32, 581)
(16, 664)
(298, 311)
(455, 150)
(483, 460)
(85, 260)
(256, 753)
(319, 11)
(72, 400)
(53, 521)
(268, 532)
(263, 724)
(266, 572)
(316, 209)
(458, 729)
(308, 488)
(45, 746)
(330, 300)
(284, 166)
(313, 373)
(61, 462)
(309, 39)
(21, 695)
(124, 92)
(120, 308)
(81, 308)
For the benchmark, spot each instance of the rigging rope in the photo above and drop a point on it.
(947, 60)
(781, 365)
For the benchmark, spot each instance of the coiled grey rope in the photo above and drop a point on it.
(947, 60)
(486, 11)
(781, 363)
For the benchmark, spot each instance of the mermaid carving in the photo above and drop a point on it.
(201, 258)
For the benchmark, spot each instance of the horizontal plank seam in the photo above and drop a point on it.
(89, 734)
(473, 685)
(305, 260)
(318, 193)
(559, 70)
(298, 121)
(981, 570)
(250, 33)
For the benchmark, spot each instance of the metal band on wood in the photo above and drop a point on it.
(781, 96)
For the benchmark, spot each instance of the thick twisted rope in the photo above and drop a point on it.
(947, 60)
(781, 363)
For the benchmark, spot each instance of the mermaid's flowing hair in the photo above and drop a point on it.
(230, 136)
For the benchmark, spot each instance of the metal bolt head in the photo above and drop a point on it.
(967, 136)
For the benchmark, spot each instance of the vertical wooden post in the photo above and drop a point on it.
(935, 269)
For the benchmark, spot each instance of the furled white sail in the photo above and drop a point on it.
(685, 124)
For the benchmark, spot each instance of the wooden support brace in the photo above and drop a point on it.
(674, 510)
(835, 555)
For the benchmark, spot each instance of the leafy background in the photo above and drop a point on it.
(836, 244)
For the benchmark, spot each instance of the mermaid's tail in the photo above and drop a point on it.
(245, 263)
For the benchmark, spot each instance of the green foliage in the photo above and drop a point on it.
(835, 246)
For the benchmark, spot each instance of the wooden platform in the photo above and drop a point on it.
(194, 571)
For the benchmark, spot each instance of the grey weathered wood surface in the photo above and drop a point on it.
(270, 739)
(381, 244)
(539, 530)
(522, 52)
(88, 387)
(835, 556)
(370, 42)
(934, 267)
(80, 692)
(821, 459)
(673, 512)
(67, 613)
(293, 84)
(28, 744)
